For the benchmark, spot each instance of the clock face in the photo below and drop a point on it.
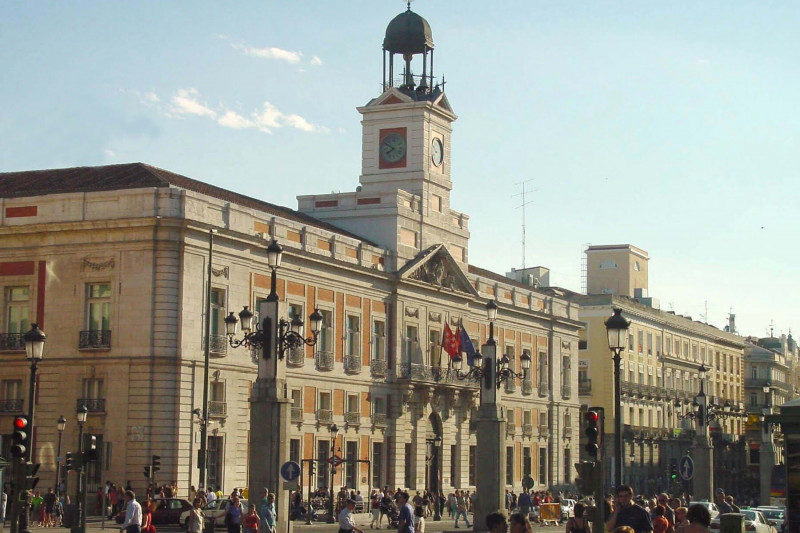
(437, 151)
(393, 148)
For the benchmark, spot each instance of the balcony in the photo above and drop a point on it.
(511, 385)
(377, 368)
(296, 357)
(219, 345)
(324, 416)
(566, 391)
(217, 409)
(95, 340)
(584, 387)
(511, 430)
(379, 420)
(324, 360)
(432, 374)
(544, 389)
(12, 342)
(527, 387)
(352, 364)
(352, 419)
(297, 414)
(527, 430)
(11, 406)
(93, 405)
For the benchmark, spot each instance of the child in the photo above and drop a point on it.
(251, 519)
(419, 520)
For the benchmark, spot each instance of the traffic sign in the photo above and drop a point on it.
(527, 482)
(335, 460)
(686, 468)
(290, 471)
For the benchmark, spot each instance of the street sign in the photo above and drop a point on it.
(335, 460)
(686, 468)
(290, 471)
(527, 482)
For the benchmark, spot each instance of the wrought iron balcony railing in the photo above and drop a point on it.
(379, 420)
(100, 338)
(511, 430)
(324, 416)
(12, 342)
(324, 360)
(527, 387)
(11, 406)
(353, 419)
(527, 430)
(432, 374)
(585, 386)
(296, 357)
(566, 391)
(378, 368)
(297, 414)
(217, 409)
(93, 405)
(219, 345)
(352, 364)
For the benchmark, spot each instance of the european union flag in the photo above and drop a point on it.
(467, 347)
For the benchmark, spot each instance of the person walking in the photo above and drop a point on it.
(347, 522)
(133, 514)
(233, 516)
(627, 513)
(267, 514)
(461, 508)
(405, 523)
(251, 519)
(375, 508)
(196, 520)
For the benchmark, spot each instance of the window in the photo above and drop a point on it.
(351, 466)
(566, 375)
(325, 342)
(640, 339)
(454, 460)
(215, 461)
(98, 306)
(649, 344)
(527, 461)
(17, 308)
(472, 463)
(436, 202)
(378, 475)
(630, 342)
(378, 341)
(567, 465)
(543, 466)
(409, 460)
(544, 383)
(294, 450)
(543, 422)
(379, 405)
(93, 388)
(352, 404)
(754, 372)
(11, 389)
(509, 465)
(325, 400)
(411, 348)
(435, 347)
(753, 399)
(353, 340)
(323, 469)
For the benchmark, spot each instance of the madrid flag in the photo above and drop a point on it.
(450, 341)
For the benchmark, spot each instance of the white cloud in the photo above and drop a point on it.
(296, 121)
(234, 120)
(316, 61)
(109, 152)
(151, 97)
(270, 53)
(185, 103)
(268, 118)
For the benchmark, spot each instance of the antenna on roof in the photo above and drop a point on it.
(522, 206)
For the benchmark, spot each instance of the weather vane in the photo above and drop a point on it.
(409, 4)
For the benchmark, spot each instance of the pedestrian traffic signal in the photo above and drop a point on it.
(156, 463)
(592, 433)
(91, 448)
(30, 475)
(70, 461)
(312, 468)
(20, 439)
(148, 472)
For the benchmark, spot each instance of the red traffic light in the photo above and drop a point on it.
(20, 422)
(592, 416)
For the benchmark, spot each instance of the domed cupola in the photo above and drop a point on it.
(408, 34)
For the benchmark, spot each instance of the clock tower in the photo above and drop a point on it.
(403, 200)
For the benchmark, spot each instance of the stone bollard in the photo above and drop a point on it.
(731, 523)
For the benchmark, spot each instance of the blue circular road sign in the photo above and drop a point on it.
(686, 468)
(290, 471)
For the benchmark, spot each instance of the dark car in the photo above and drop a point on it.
(168, 511)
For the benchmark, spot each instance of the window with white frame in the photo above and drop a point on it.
(353, 335)
(11, 389)
(544, 383)
(17, 309)
(352, 403)
(410, 350)
(98, 306)
(434, 347)
(325, 340)
(378, 339)
(324, 400)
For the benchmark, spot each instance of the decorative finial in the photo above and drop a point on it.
(409, 4)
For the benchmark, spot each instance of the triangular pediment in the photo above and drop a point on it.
(444, 103)
(437, 267)
(392, 95)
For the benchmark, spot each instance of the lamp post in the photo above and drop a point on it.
(202, 460)
(34, 348)
(334, 433)
(80, 498)
(617, 330)
(491, 431)
(767, 451)
(60, 425)
(434, 477)
(704, 457)
(269, 406)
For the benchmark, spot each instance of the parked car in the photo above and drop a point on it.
(567, 509)
(774, 516)
(711, 506)
(213, 511)
(168, 511)
(753, 521)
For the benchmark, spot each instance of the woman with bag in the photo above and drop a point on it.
(233, 515)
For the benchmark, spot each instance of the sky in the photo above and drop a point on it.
(672, 126)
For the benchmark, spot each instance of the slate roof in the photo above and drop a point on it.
(138, 176)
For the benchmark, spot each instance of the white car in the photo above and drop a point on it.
(711, 506)
(753, 521)
(774, 515)
(214, 511)
(567, 508)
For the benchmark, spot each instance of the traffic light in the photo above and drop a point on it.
(156, 463)
(312, 468)
(585, 480)
(673, 470)
(30, 475)
(21, 438)
(70, 461)
(592, 432)
(91, 448)
(148, 472)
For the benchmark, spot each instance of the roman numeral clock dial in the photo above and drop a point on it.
(393, 148)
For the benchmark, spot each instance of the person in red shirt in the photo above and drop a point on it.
(251, 519)
(660, 524)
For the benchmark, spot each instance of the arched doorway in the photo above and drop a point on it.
(433, 459)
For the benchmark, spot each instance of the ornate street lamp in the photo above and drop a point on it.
(334, 433)
(34, 350)
(61, 425)
(81, 415)
(617, 331)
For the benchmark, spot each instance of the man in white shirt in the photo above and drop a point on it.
(211, 496)
(133, 514)
(347, 523)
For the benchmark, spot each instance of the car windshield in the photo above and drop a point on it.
(749, 515)
(773, 514)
